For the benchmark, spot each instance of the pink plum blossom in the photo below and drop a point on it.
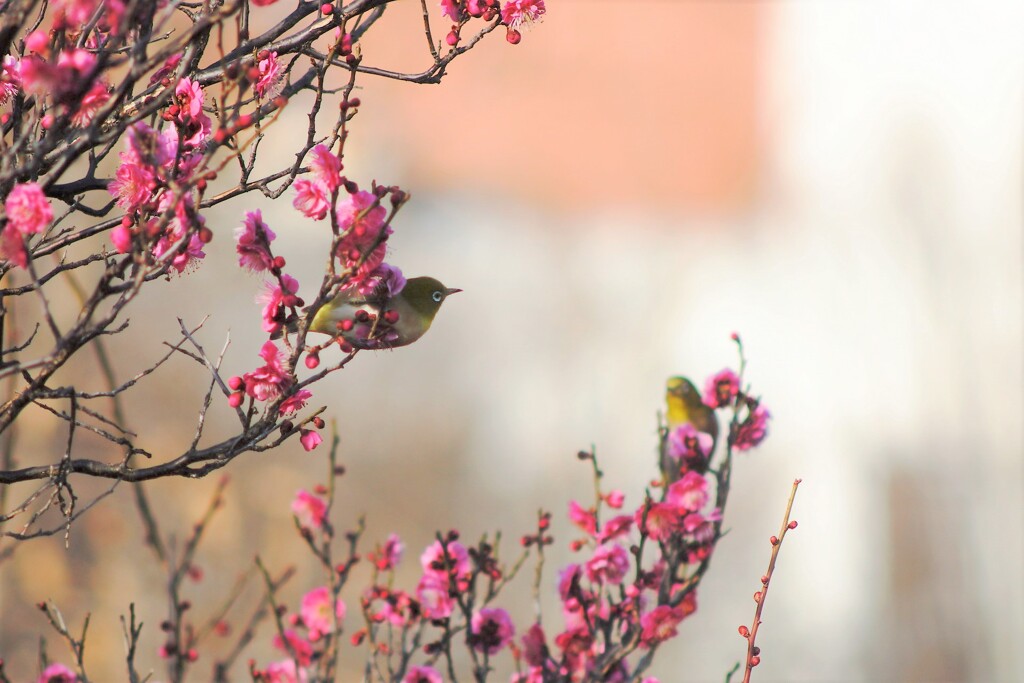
(422, 674)
(492, 630)
(582, 518)
(312, 199)
(390, 554)
(316, 612)
(752, 430)
(271, 76)
(361, 221)
(284, 671)
(689, 493)
(518, 13)
(252, 242)
(57, 673)
(295, 402)
(434, 598)
(721, 388)
(28, 209)
(441, 561)
(10, 78)
(295, 645)
(268, 381)
(685, 443)
(660, 624)
(659, 521)
(277, 297)
(91, 102)
(535, 648)
(608, 564)
(326, 167)
(615, 527)
(309, 509)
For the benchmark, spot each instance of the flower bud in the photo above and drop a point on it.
(744, 631)
(513, 36)
(312, 360)
(235, 399)
(755, 660)
(791, 525)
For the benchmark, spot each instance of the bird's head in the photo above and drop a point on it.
(425, 295)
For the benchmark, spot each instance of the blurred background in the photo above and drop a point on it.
(840, 183)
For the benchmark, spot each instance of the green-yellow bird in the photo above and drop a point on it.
(685, 405)
(381, 322)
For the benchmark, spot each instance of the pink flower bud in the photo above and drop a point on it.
(452, 38)
(121, 238)
(235, 399)
(37, 41)
(744, 631)
(312, 360)
(513, 36)
(791, 525)
(235, 383)
(326, 8)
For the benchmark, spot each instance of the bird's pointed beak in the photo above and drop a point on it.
(451, 290)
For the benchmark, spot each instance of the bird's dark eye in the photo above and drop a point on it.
(438, 296)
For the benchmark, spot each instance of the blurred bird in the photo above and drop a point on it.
(685, 405)
(376, 321)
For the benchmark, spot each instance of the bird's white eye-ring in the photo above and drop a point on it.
(438, 296)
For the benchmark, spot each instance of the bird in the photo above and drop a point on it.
(377, 321)
(685, 405)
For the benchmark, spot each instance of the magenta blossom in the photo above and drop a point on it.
(688, 445)
(90, 103)
(326, 167)
(284, 671)
(422, 674)
(752, 430)
(660, 624)
(615, 527)
(295, 402)
(450, 9)
(361, 219)
(276, 298)
(382, 283)
(10, 78)
(609, 564)
(445, 560)
(659, 521)
(389, 555)
(434, 598)
(271, 76)
(689, 493)
(28, 209)
(253, 240)
(316, 612)
(295, 645)
(492, 630)
(582, 517)
(310, 510)
(311, 198)
(519, 13)
(268, 381)
(57, 673)
(721, 388)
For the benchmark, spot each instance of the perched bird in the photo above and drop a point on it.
(685, 405)
(379, 321)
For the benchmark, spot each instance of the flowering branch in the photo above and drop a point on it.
(750, 634)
